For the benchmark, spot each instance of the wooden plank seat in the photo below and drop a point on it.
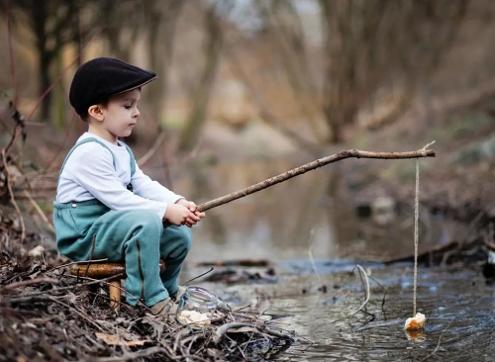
(115, 271)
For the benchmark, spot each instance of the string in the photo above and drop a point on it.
(416, 237)
(416, 234)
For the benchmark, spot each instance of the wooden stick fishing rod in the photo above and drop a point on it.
(424, 152)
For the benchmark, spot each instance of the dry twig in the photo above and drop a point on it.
(366, 285)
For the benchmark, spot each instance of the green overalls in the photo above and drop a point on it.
(90, 230)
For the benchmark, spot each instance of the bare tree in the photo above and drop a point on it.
(53, 25)
(120, 34)
(370, 44)
(368, 48)
(201, 94)
(284, 31)
(160, 23)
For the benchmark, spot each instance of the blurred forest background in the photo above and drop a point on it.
(251, 88)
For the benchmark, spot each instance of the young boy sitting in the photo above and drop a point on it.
(106, 207)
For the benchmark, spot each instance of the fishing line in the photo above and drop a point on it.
(416, 233)
(416, 237)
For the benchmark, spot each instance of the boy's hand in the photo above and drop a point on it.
(193, 208)
(178, 214)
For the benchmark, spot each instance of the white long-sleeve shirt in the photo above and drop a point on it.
(89, 173)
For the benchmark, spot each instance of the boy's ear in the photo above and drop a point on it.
(96, 112)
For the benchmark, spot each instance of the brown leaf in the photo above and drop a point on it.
(114, 340)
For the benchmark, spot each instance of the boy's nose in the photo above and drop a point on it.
(136, 113)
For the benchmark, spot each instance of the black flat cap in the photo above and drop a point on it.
(98, 79)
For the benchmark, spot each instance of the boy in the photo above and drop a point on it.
(106, 207)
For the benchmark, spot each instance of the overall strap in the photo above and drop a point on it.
(86, 140)
(133, 167)
(132, 158)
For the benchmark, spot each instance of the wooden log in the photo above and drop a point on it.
(98, 270)
(102, 270)
(114, 292)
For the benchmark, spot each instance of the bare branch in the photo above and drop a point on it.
(311, 166)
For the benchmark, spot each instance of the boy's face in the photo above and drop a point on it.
(121, 113)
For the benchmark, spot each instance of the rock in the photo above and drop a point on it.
(37, 251)
(194, 317)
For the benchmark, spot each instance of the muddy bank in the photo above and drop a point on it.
(46, 313)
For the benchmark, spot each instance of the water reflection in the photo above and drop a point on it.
(457, 303)
(200, 190)
(325, 213)
(321, 211)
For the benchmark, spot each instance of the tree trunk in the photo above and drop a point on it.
(196, 120)
(160, 47)
(39, 16)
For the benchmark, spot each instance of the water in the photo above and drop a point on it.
(458, 304)
(318, 212)
(332, 216)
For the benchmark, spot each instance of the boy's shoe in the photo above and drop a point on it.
(166, 308)
(178, 295)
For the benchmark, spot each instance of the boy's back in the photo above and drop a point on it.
(98, 169)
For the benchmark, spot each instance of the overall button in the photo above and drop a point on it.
(74, 205)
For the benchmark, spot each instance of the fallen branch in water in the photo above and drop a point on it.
(424, 152)
(366, 287)
(228, 327)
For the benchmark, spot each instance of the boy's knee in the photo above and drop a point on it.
(146, 219)
(185, 238)
(182, 237)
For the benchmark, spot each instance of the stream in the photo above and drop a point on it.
(312, 231)
(320, 308)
